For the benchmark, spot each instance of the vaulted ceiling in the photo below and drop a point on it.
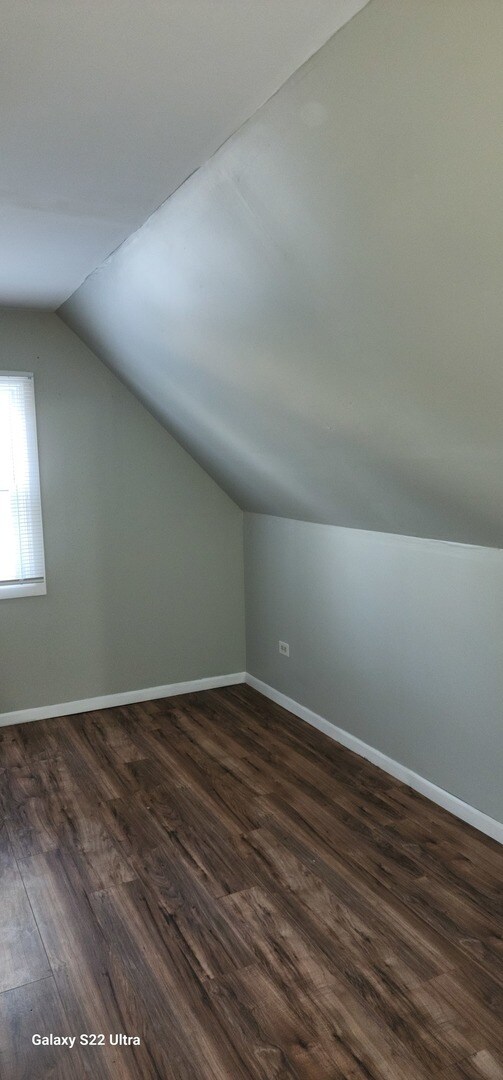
(106, 106)
(317, 313)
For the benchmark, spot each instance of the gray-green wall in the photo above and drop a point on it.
(395, 639)
(143, 549)
(398, 640)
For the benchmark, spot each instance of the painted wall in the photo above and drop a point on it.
(316, 314)
(143, 550)
(395, 639)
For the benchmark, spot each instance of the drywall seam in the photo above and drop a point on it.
(129, 697)
(460, 809)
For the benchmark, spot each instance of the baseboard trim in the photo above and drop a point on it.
(460, 809)
(130, 697)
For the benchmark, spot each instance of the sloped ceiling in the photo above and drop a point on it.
(317, 314)
(106, 106)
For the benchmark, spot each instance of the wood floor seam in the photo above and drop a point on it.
(29, 982)
(249, 899)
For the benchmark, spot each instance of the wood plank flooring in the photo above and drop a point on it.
(250, 899)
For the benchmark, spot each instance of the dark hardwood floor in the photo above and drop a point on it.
(213, 876)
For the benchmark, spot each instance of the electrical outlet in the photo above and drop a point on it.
(284, 648)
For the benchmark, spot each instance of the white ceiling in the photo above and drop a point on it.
(106, 107)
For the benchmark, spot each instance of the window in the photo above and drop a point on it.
(22, 570)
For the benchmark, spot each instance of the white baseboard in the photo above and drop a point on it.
(460, 809)
(449, 802)
(107, 701)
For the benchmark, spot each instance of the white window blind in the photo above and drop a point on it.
(22, 570)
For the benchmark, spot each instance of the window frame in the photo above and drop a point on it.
(38, 587)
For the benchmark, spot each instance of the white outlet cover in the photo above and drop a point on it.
(284, 648)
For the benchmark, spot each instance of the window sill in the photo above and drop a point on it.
(28, 588)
